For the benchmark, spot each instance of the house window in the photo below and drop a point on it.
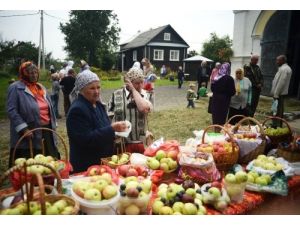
(167, 36)
(134, 55)
(174, 55)
(158, 55)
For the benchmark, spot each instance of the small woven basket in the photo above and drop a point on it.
(225, 160)
(106, 161)
(290, 152)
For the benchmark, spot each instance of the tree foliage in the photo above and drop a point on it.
(218, 49)
(91, 35)
(192, 53)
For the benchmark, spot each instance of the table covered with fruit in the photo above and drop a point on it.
(224, 172)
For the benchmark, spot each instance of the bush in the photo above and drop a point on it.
(4, 74)
(111, 75)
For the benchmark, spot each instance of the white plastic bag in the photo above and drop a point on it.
(274, 106)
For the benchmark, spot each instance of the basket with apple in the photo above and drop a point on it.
(162, 161)
(135, 196)
(32, 198)
(278, 134)
(251, 144)
(289, 151)
(225, 153)
(116, 160)
(96, 194)
(102, 170)
(64, 167)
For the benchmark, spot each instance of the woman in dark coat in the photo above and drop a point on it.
(223, 88)
(91, 135)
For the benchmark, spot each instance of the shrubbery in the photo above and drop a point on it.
(110, 75)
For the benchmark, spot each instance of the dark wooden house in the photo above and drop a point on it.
(162, 46)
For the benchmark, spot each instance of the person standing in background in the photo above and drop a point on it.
(253, 73)
(202, 75)
(280, 85)
(68, 83)
(180, 76)
(163, 71)
(55, 93)
(150, 78)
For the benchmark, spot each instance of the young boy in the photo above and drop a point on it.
(191, 95)
(202, 92)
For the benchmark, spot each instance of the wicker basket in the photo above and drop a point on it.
(260, 149)
(106, 161)
(31, 193)
(225, 160)
(275, 140)
(291, 152)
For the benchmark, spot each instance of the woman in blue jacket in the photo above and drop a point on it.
(91, 134)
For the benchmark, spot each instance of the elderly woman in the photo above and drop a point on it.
(28, 107)
(242, 97)
(132, 103)
(223, 88)
(91, 135)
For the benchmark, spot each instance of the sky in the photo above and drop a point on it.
(194, 26)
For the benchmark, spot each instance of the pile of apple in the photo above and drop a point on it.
(132, 170)
(277, 131)
(246, 136)
(163, 161)
(57, 165)
(213, 194)
(97, 188)
(215, 146)
(135, 196)
(267, 163)
(119, 160)
(60, 207)
(259, 179)
(175, 199)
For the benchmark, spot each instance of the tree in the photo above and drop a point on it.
(90, 34)
(192, 53)
(218, 49)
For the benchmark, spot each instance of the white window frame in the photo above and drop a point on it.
(159, 58)
(167, 36)
(134, 55)
(175, 53)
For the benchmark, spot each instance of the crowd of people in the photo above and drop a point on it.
(91, 131)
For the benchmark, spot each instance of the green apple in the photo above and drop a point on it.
(153, 163)
(177, 213)
(131, 178)
(5, 212)
(100, 184)
(178, 207)
(39, 212)
(270, 166)
(20, 161)
(166, 210)
(172, 164)
(107, 177)
(230, 178)
(267, 177)
(36, 169)
(80, 187)
(215, 192)
(189, 209)
(250, 179)
(68, 210)
(110, 191)
(52, 210)
(191, 192)
(15, 211)
(49, 158)
(40, 158)
(254, 174)
(241, 177)
(125, 156)
(22, 207)
(33, 206)
(162, 192)
(132, 184)
(48, 204)
(171, 193)
(201, 210)
(146, 185)
(162, 185)
(165, 160)
(262, 157)
(160, 154)
(132, 210)
(261, 181)
(60, 204)
(92, 194)
(114, 158)
(220, 205)
(157, 205)
(30, 161)
(164, 167)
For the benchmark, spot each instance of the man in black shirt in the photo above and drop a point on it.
(68, 83)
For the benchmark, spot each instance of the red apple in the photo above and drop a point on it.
(132, 172)
(216, 184)
(172, 154)
(93, 170)
(122, 170)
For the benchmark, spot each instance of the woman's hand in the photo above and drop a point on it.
(128, 84)
(119, 126)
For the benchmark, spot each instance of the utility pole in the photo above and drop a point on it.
(41, 44)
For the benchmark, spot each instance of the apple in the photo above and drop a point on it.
(261, 157)
(100, 184)
(67, 210)
(122, 170)
(110, 191)
(22, 207)
(60, 204)
(216, 184)
(162, 192)
(215, 192)
(270, 166)
(166, 210)
(254, 174)
(131, 178)
(49, 158)
(33, 206)
(261, 181)
(132, 210)
(172, 165)
(125, 156)
(191, 192)
(132, 184)
(80, 187)
(131, 172)
(52, 210)
(230, 178)
(132, 192)
(187, 198)
(178, 207)
(40, 158)
(165, 160)
(93, 171)
(107, 177)
(250, 179)
(92, 194)
(201, 210)
(172, 154)
(146, 186)
(153, 163)
(220, 205)
(177, 213)
(267, 177)
(188, 184)
(114, 158)
(157, 205)
(189, 209)
(160, 154)
(36, 169)
(162, 185)
(39, 212)
(30, 161)
(241, 177)
(20, 161)
(164, 167)
(171, 193)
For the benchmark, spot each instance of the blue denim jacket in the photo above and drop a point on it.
(23, 112)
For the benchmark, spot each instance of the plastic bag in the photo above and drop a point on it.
(274, 106)
(170, 145)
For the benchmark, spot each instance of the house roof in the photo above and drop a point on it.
(197, 58)
(144, 38)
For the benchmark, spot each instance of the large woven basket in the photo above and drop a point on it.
(225, 160)
(260, 149)
(275, 140)
(291, 152)
(35, 189)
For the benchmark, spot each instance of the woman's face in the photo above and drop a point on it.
(238, 75)
(138, 84)
(33, 75)
(92, 92)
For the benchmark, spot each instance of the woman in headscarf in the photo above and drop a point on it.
(91, 135)
(150, 78)
(223, 88)
(28, 107)
(242, 97)
(215, 71)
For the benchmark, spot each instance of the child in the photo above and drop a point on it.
(202, 92)
(191, 96)
(55, 93)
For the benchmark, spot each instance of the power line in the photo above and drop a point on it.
(29, 14)
(55, 17)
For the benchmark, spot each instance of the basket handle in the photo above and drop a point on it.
(236, 127)
(231, 118)
(30, 143)
(277, 118)
(222, 128)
